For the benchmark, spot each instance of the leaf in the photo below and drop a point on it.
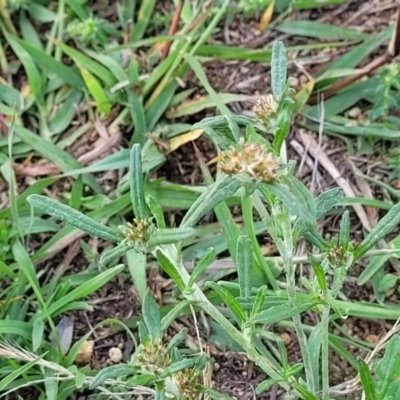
(267, 16)
(136, 183)
(73, 217)
(84, 289)
(344, 237)
(282, 312)
(177, 311)
(389, 281)
(229, 300)
(318, 270)
(265, 385)
(244, 265)
(137, 267)
(213, 195)
(388, 368)
(168, 266)
(296, 197)
(318, 30)
(156, 211)
(112, 372)
(96, 90)
(367, 381)
(326, 200)
(383, 227)
(151, 316)
(168, 236)
(201, 266)
(304, 4)
(278, 69)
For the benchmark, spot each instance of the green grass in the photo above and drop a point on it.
(66, 70)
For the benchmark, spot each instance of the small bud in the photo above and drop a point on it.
(265, 110)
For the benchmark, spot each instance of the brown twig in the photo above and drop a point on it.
(172, 29)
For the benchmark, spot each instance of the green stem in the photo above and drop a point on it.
(325, 352)
(291, 290)
(200, 299)
(160, 390)
(247, 210)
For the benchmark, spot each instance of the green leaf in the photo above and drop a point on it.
(156, 210)
(318, 30)
(229, 300)
(388, 368)
(169, 236)
(145, 14)
(283, 122)
(265, 385)
(389, 281)
(151, 316)
(259, 300)
(367, 381)
(177, 311)
(278, 69)
(168, 266)
(12, 376)
(344, 237)
(136, 183)
(201, 266)
(112, 372)
(384, 226)
(318, 270)
(96, 90)
(137, 267)
(304, 392)
(281, 312)
(176, 339)
(37, 334)
(244, 265)
(296, 197)
(304, 4)
(85, 289)
(326, 200)
(73, 217)
(216, 193)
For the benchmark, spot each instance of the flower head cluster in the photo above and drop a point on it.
(154, 357)
(186, 381)
(265, 110)
(251, 159)
(137, 232)
(85, 31)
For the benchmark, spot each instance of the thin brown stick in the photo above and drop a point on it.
(172, 29)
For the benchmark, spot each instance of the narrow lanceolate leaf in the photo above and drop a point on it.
(384, 226)
(367, 381)
(244, 263)
(344, 236)
(73, 217)
(278, 69)
(201, 266)
(259, 300)
(168, 266)
(136, 183)
(229, 300)
(156, 210)
(112, 372)
(151, 316)
(326, 200)
(388, 367)
(281, 312)
(215, 194)
(169, 236)
(318, 270)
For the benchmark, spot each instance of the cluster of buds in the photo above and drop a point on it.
(337, 255)
(265, 111)
(186, 382)
(251, 159)
(154, 357)
(85, 31)
(137, 232)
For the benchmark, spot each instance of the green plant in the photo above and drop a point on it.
(288, 211)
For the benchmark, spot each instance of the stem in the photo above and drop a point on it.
(160, 391)
(200, 299)
(291, 290)
(325, 352)
(247, 210)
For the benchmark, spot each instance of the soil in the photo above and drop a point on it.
(233, 373)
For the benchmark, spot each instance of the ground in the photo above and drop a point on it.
(233, 373)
